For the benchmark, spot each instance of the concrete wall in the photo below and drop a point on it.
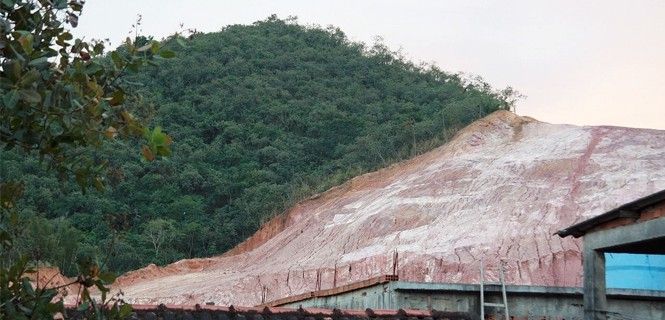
(524, 302)
(380, 296)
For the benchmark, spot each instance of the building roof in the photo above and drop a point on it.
(628, 210)
(274, 313)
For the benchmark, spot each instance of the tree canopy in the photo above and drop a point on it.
(61, 98)
(261, 116)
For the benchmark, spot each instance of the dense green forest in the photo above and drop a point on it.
(261, 116)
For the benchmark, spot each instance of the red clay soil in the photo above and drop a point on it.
(50, 277)
(498, 191)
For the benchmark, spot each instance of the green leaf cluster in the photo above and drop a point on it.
(20, 300)
(60, 99)
(62, 95)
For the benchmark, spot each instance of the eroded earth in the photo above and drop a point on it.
(498, 191)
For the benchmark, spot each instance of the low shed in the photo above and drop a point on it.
(637, 227)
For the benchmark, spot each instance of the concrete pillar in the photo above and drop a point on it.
(595, 301)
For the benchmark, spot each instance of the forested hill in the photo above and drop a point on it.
(261, 116)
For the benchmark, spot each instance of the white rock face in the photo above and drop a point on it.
(498, 191)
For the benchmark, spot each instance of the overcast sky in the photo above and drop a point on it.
(579, 62)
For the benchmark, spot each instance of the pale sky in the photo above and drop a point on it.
(579, 62)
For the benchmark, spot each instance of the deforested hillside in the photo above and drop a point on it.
(262, 116)
(497, 191)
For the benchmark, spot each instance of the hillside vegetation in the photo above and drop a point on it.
(262, 116)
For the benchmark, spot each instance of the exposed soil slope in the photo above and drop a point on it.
(498, 190)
